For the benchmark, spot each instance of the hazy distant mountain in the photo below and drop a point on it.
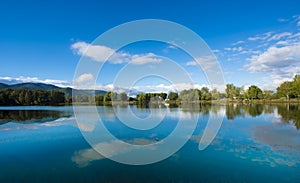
(35, 86)
(43, 86)
(2, 85)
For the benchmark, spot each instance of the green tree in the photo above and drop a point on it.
(285, 89)
(99, 99)
(163, 96)
(296, 86)
(188, 96)
(268, 94)
(254, 92)
(215, 94)
(205, 94)
(28, 97)
(141, 98)
(230, 91)
(237, 92)
(107, 97)
(173, 96)
(68, 99)
(123, 96)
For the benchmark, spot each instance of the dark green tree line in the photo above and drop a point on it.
(23, 97)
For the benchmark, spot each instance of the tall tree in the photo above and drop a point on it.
(173, 96)
(215, 94)
(285, 89)
(268, 94)
(123, 96)
(230, 91)
(254, 92)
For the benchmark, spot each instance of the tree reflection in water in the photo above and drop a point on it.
(287, 112)
(27, 116)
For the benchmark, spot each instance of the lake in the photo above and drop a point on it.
(255, 143)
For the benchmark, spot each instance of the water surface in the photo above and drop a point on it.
(256, 143)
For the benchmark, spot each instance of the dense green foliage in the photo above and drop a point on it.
(147, 97)
(290, 89)
(14, 95)
(20, 97)
(173, 96)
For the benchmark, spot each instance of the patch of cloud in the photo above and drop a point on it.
(297, 35)
(112, 148)
(84, 157)
(275, 59)
(96, 52)
(145, 59)
(282, 20)
(297, 19)
(22, 79)
(282, 43)
(273, 53)
(238, 43)
(279, 63)
(279, 36)
(83, 78)
(262, 37)
(176, 87)
(235, 49)
(101, 53)
(206, 62)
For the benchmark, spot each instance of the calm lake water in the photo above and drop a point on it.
(256, 143)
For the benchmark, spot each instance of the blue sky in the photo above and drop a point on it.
(256, 42)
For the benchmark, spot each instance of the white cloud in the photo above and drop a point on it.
(176, 87)
(234, 49)
(191, 63)
(275, 59)
(238, 42)
(282, 43)
(102, 53)
(95, 52)
(145, 59)
(86, 77)
(216, 51)
(206, 62)
(282, 20)
(279, 63)
(261, 37)
(296, 19)
(84, 157)
(22, 79)
(112, 148)
(295, 35)
(279, 36)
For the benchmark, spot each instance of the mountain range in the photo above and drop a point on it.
(43, 86)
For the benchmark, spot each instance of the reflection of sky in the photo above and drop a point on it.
(262, 140)
(248, 145)
(84, 157)
(35, 126)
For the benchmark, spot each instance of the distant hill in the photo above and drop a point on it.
(34, 86)
(2, 85)
(43, 86)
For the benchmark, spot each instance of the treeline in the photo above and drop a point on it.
(26, 97)
(13, 97)
(287, 90)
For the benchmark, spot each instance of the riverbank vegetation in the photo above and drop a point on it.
(287, 92)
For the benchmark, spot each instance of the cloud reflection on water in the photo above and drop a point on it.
(84, 157)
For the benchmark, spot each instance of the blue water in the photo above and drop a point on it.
(254, 144)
